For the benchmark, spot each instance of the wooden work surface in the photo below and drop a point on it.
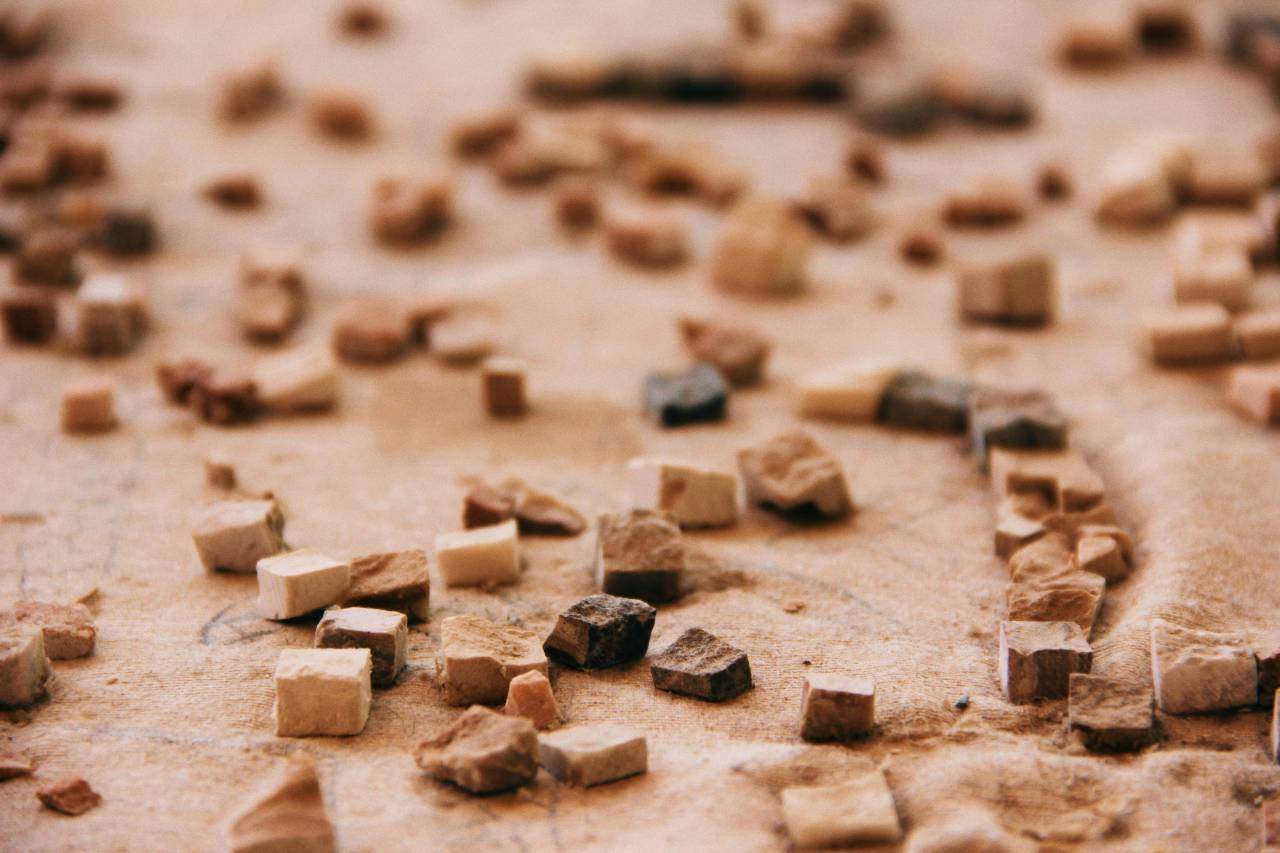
(170, 719)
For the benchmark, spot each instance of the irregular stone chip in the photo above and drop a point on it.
(529, 695)
(1037, 659)
(696, 395)
(1048, 558)
(395, 580)
(322, 692)
(850, 391)
(792, 473)
(536, 512)
(837, 707)
(303, 380)
(594, 755)
(739, 353)
(1199, 672)
(859, 811)
(1006, 418)
(341, 114)
(235, 535)
(703, 666)
(762, 250)
(69, 795)
(24, 668)
(1072, 597)
(1190, 333)
(898, 106)
(271, 295)
(68, 628)
(482, 752)
(370, 331)
(222, 397)
(484, 556)
(286, 812)
(916, 400)
(385, 633)
(640, 554)
(1020, 520)
(601, 631)
(921, 246)
(404, 211)
(1102, 555)
(13, 763)
(478, 659)
(1113, 715)
(695, 495)
(177, 379)
(1063, 477)
(299, 582)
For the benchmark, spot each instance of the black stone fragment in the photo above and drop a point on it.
(128, 232)
(703, 666)
(601, 631)
(691, 396)
(919, 401)
(1018, 419)
(899, 109)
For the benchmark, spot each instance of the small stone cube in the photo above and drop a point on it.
(640, 554)
(1025, 419)
(1047, 558)
(1015, 291)
(791, 473)
(396, 580)
(1255, 391)
(24, 667)
(484, 556)
(68, 628)
(89, 405)
(762, 250)
(916, 400)
(298, 582)
(703, 666)
(384, 633)
(1199, 672)
(601, 631)
(1113, 715)
(219, 471)
(696, 395)
(224, 397)
(988, 203)
(1098, 40)
(303, 380)
(1190, 333)
(268, 309)
(1221, 275)
(479, 133)
(1226, 175)
(1074, 597)
(128, 231)
(1258, 333)
(47, 254)
(1135, 191)
(234, 190)
(482, 752)
(503, 382)
(1063, 477)
(405, 210)
(646, 238)
(251, 92)
(340, 114)
(322, 692)
(851, 391)
(593, 755)
(478, 659)
(859, 811)
(529, 695)
(1020, 520)
(1102, 555)
(695, 495)
(235, 535)
(739, 353)
(1037, 658)
(110, 314)
(921, 246)
(371, 331)
(837, 707)
(30, 314)
(69, 795)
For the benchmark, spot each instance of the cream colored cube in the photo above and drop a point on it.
(483, 556)
(235, 535)
(298, 582)
(697, 496)
(301, 380)
(322, 692)
(1223, 275)
(849, 391)
(594, 755)
(859, 811)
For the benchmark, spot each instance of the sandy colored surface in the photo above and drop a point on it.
(170, 719)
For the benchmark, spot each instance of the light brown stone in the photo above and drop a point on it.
(1020, 520)
(478, 133)
(1015, 291)
(298, 582)
(234, 535)
(462, 341)
(594, 755)
(837, 208)
(322, 692)
(762, 250)
(395, 580)
(234, 190)
(110, 314)
(407, 210)
(341, 114)
(990, 202)
(1037, 658)
(478, 659)
(836, 707)
(1074, 597)
(1104, 38)
(738, 352)
(1221, 275)
(1255, 391)
(791, 472)
(1258, 333)
(529, 695)
(219, 472)
(24, 668)
(69, 795)
(685, 168)
(88, 405)
(482, 556)
(385, 633)
(1113, 715)
(1189, 334)
(1102, 555)
(300, 380)
(286, 812)
(68, 629)
(576, 201)
(646, 238)
(482, 752)
(695, 495)
(250, 92)
(640, 554)
(1226, 175)
(370, 331)
(859, 811)
(1198, 672)
(1062, 476)
(503, 382)
(13, 763)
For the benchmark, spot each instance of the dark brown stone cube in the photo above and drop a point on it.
(703, 666)
(601, 631)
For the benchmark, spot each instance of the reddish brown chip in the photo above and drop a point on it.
(921, 246)
(235, 190)
(225, 398)
(371, 331)
(177, 379)
(341, 115)
(70, 795)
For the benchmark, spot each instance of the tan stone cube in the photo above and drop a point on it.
(1222, 275)
(646, 238)
(762, 250)
(68, 628)
(1113, 715)
(836, 707)
(478, 659)
(298, 582)
(859, 811)
(396, 580)
(1063, 477)
(1102, 555)
(849, 391)
(110, 314)
(695, 495)
(1135, 191)
(792, 473)
(1020, 520)
(1074, 597)
(89, 405)
(593, 755)
(1255, 391)
(1191, 333)
(235, 535)
(503, 383)
(1226, 175)
(640, 554)
(484, 556)
(1014, 291)
(1199, 672)
(303, 380)
(385, 633)
(1037, 658)
(371, 331)
(322, 692)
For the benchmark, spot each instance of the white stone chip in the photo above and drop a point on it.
(1197, 672)
(860, 811)
(594, 755)
(695, 495)
(298, 582)
(483, 556)
(297, 381)
(849, 391)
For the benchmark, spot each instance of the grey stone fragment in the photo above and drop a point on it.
(919, 401)
(1025, 419)
(696, 395)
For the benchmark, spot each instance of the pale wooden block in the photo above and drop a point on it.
(1190, 333)
(24, 668)
(235, 535)
(322, 692)
(298, 582)
(695, 495)
(849, 391)
(483, 556)
(1198, 672)
(1223, 275)
(89, 405)
(859, 811)
(1062, 476)
(297, 381)
(478, 659)
(1258, 333)
(593, 755)
(1255, 390)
